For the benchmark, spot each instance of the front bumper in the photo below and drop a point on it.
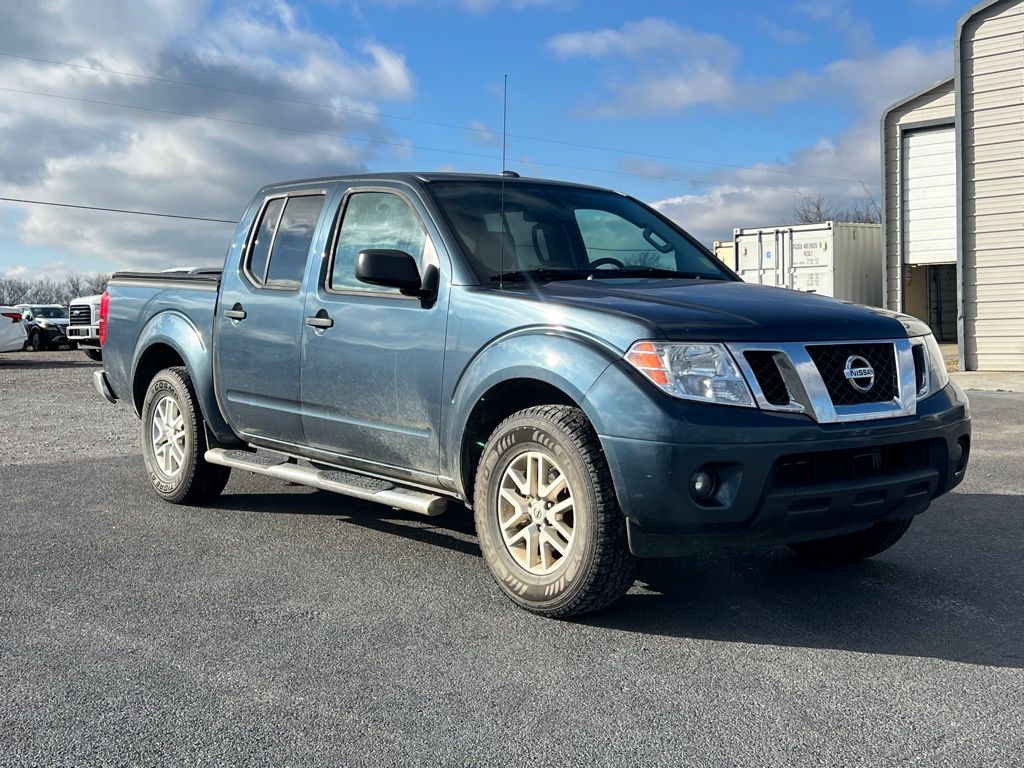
(822, 481)
(55, 335)
(86, 335)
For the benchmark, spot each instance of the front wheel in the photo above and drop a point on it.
(852, 547)
(37, 342)
(94, 354)
(173, 441)
(549, 526)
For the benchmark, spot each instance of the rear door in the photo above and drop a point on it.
(259, 320)
(371, 380)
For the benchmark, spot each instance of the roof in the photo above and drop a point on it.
(916, 95)
(416, 177)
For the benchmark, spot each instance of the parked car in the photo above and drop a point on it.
(564, 359)
(83, 327)
(12, 331)
(45, 325)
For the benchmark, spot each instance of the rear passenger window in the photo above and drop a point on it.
(260, 248)
(374, 220)
(283, 238)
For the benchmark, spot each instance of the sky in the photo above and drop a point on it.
(719, 114)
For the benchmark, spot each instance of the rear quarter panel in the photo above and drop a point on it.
(157, 310)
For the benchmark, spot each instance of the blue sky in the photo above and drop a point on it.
(723, 114)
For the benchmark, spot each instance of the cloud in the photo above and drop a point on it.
(205, 163)
(482, 6)
(659, 66)
(839, 167)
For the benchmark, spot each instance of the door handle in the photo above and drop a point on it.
(235, 313)
(320, 320)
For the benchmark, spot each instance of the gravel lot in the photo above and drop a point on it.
(290, 626)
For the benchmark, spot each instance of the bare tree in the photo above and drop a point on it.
(814, 209)
(47, 291)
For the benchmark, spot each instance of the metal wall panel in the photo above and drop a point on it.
(990, 59)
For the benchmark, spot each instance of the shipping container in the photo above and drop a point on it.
(831, 258)
(725, 251)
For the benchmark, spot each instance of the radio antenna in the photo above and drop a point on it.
(504, 135)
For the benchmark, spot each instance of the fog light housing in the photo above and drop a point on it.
(703, 484)
(963, 453)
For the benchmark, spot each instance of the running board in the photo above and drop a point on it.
(336, 481)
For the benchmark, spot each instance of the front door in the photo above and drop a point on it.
(371, 378)
(258, 329)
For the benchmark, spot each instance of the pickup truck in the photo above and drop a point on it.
(83, 328)
(561, 359)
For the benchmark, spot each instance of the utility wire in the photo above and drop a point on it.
(248, 123)
(306, 131)
(115, 210)
(375, 114)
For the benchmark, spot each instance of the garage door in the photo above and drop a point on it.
(929, 196)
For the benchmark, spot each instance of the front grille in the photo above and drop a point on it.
(831, 360)
(81, 314)
(805, 469)
(766, 371)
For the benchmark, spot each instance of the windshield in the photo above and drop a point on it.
(49, 312)
(553, 232)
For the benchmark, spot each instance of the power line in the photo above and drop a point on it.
(372, 113)
(115, 210)
(306, 131)
(248, 123)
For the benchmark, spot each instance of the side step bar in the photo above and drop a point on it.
(336, 481)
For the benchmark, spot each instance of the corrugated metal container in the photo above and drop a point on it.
(725, 250)
(990, 116)
(832, 258)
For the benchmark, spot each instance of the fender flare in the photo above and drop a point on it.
(568, 360)
(175, 330)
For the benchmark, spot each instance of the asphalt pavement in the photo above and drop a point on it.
(285, 626)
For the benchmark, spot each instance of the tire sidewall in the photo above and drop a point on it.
(167, 384)
(515, 437)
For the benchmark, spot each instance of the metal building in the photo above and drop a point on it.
(953, 183)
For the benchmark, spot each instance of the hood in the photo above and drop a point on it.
(730, 311)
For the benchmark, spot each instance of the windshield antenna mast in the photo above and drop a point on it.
(504, 134)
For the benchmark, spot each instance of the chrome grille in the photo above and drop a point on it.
(828, 382)
(81, 314)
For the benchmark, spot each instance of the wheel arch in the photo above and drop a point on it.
(171, 339)
(520, 371)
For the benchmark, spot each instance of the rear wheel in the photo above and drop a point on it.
(547, 519)
(173, 441)
(851, 547)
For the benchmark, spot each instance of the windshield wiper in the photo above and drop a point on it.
(542, 275)
(651, 272)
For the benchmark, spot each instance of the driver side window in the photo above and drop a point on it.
(609, 236)
(373, 220)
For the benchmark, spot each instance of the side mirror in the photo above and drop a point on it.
(392, 269)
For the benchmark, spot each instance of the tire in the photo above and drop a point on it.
(595, 567)
(94, 354)
(180, 474)
(852, 547)
(37, 342)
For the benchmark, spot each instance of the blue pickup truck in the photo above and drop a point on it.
(562, 359)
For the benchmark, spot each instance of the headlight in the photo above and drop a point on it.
(43, 324)
(935, 376)
(703, 372)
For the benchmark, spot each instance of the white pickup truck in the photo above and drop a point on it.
(84, 326)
